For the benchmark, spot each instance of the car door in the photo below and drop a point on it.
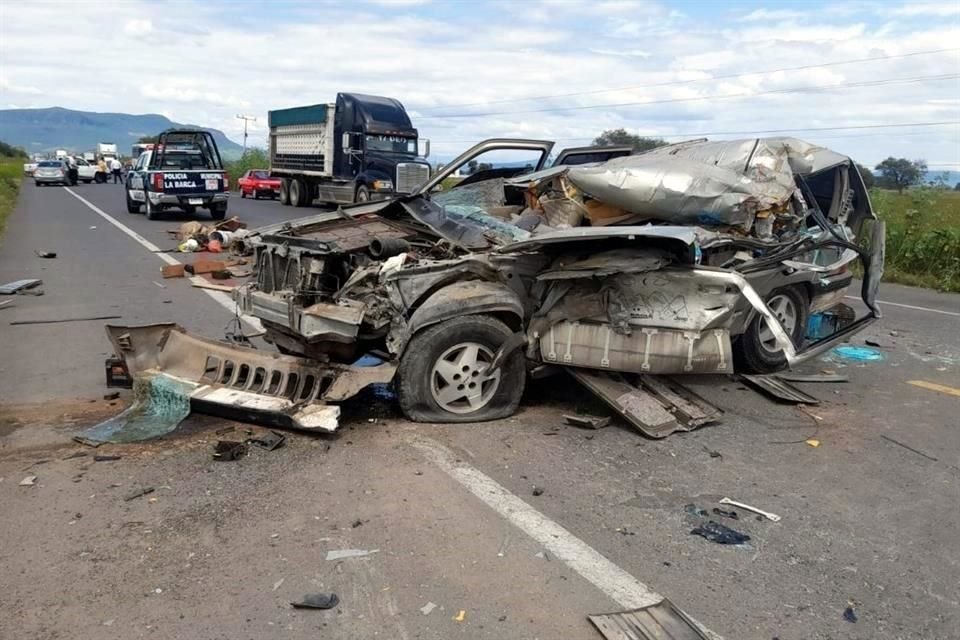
(244, 183)
(136, 178)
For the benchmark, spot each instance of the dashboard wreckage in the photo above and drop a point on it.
(694, 258)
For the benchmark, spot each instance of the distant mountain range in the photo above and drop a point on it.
(44, 130)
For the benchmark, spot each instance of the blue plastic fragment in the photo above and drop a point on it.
(862, 354)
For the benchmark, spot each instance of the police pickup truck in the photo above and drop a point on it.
(183, 171)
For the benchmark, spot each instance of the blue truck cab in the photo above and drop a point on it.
(182, 171)
(359, 148)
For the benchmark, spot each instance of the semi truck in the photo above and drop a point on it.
(107, 150)
(357, 149)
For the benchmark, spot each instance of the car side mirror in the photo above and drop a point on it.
(345, 142)
(426, 148)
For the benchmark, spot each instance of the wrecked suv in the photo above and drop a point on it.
(700, 257)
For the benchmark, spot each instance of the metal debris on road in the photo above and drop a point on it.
(113, 395)
(746, 507)
(813, 442)
(812, 378)
(428, 608)
(721, 534)
(137, 493)
(317, 601)
(537, 491)
(908, 448)
(587, 422)
(19, 286)
(29, 481)
(694, 510)
(733, 515)
(276, 585)
(778, 389)
(106, 458)
(227, 450)
(341, 554)
(61, 320)
(660, 621)
(42, 253)
(270, 440)
(655, 406)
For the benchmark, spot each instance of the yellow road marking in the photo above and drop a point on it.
(933, 386)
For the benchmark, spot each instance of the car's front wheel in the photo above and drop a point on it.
(445, 376)
(757, 350)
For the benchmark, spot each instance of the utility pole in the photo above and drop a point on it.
(245, 119)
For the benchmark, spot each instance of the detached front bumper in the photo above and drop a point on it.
(242, 383)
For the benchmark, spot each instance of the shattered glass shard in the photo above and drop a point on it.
(160, 404)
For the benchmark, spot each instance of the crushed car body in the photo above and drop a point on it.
(700, 257)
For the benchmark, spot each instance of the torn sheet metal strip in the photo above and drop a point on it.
(651, 410)
(661, 621)
(779, 389)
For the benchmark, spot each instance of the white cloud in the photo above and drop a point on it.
(9, 86)
(622, 53)
(939, 9)
(773, 15)
(138, 27)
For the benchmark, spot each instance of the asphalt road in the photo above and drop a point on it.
(868, 517)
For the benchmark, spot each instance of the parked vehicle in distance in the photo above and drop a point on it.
(29, 168)
(51, 172)
(357, 149)
(257, 182)
(107, 151)
(90, 156)
(184, 171)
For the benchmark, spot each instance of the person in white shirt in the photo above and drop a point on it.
(115, 167)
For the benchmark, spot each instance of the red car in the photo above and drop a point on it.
(257, 182)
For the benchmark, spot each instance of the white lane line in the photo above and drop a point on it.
(620, 586)
(910, 306)
(219, 297)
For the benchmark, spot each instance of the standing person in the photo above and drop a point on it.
(115, 167)
(101, 170)
(72, 171)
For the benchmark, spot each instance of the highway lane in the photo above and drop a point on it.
(864, 518)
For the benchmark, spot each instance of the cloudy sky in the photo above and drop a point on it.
(556, 69)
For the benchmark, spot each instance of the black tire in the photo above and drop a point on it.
(285, 192)
(362, 194)
(299, 193)
(415, 377)
(243, 194)
(749, 353)
(152, 212)
(218, 210)
(132, 205)
(256, 194)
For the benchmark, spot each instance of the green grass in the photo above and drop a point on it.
(923, 236)
(11, 173)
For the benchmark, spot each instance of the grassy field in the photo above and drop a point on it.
(923, 236)
(11, 173)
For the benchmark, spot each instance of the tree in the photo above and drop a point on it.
(147, 140)
(10, 151)
(614, 137)
(956, 187)
(900, 173)
(472, 167)
(869, 180)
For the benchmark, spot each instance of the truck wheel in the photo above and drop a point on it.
(152, 211)
(285, 192)
(442, 375)
(218, 210)
(757, 351)
(299, 196)
(132, 205)
(363, 194)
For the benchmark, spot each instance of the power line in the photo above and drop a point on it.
(703, 134)
(683, 82)
(815, 89)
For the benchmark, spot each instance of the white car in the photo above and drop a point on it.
(86, 172)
